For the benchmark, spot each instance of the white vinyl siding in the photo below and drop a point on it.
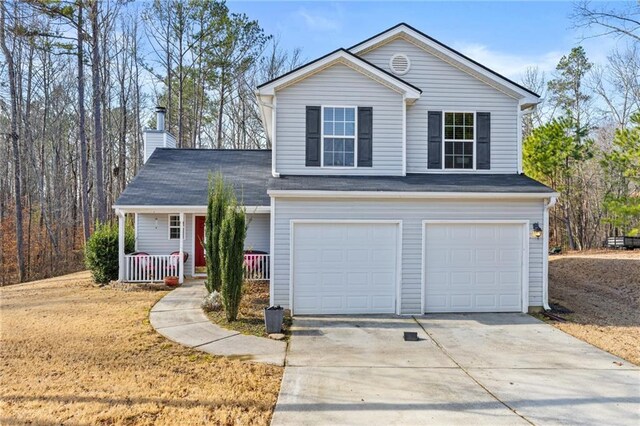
(153, 239)
(258, 235)
(339, 85)
(412, 213)
(447, 88)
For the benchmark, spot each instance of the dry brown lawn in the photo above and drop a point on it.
(72, 353)
(603, 290)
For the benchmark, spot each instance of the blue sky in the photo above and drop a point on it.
(506, 36)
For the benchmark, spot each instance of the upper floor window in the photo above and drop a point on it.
(459, 140)
(174, 227)
(338, 136)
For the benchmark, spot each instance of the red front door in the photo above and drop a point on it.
(201, 263)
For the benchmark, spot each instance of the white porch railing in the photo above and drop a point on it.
(256, 267)
(150, 268)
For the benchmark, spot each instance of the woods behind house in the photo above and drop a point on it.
(80, 79)
(79, 82)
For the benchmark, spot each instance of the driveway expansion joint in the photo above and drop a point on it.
(464, 370)
(215, 340)
(180, 325)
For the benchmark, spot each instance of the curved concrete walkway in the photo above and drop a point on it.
(179, 317)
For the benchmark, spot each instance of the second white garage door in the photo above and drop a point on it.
(473, 267)
(344, 268)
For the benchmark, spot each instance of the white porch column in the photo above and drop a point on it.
(121, 259)
(181, 260)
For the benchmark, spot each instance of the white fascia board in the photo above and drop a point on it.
(269, 89)
(400, 194)
(182, 209)
(402, 29)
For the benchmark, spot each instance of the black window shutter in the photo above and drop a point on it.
(312, 149)
(365, 137)
(434, 146)
(483, 140)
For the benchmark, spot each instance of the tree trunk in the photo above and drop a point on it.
(84, 172)
(220, 109)
(97, 118)
(17, 180)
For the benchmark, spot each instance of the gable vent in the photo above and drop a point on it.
(399, 64)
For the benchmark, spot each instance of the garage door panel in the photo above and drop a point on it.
(386, 280)
(473, 267)
(357, 279)
(460, 301)
(484, 301)
(509, 278)
(355, 273)
(382, 302)
(486, 256)
(357, 302)
(358, 256)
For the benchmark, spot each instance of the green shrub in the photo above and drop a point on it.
(220, 196)
(101, 251)
(232, 234)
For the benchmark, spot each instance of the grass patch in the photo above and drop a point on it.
(72, 353)
(255, 297)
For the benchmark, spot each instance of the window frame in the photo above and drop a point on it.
(355, 137)
(170, 227)
(474, 142)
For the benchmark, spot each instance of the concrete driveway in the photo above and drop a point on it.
(466, 369)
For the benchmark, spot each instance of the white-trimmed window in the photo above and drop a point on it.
(459, 140)
(174, 227)
(339, 136)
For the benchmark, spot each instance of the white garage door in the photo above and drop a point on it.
(473, 267)
(344, 268)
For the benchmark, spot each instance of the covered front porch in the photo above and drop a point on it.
(165, 235)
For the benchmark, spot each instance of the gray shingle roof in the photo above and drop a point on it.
(179, 177)
(442, 182)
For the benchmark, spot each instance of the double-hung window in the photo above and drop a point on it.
(174, 227)
(459, 140)
(338, 136)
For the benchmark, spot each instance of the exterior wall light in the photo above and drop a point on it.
(537, 231)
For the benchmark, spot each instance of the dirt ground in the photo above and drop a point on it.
(73, 353)
(255, 297)
(602, 289)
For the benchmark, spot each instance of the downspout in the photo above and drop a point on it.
(548, 204)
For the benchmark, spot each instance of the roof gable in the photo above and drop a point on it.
(341, 56)
(448, 55)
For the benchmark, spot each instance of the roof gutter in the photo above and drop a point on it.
(408, 195)
(181, 209)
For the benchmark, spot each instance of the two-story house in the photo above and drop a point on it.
(394, 185)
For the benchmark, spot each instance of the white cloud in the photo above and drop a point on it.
(510, 65)
(316, 21)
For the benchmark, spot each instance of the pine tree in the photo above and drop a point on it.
(232, 235)
(220, 196)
